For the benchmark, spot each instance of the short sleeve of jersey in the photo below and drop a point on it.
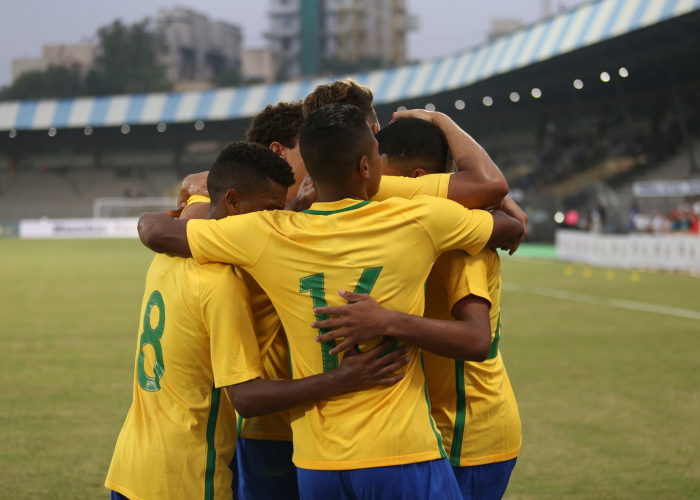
(464, 275)
(237, 240)
(452, 227)
(406, 187)
(226, 313)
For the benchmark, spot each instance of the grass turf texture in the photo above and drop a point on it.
(609, 398)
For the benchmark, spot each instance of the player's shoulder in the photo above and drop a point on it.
(459, 261)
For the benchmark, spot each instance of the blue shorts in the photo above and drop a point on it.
(265, 470)
(484, 482)
(431, 480)
(117, 496)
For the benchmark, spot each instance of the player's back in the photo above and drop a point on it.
(179, 435)
(472, 403)
(385, 249)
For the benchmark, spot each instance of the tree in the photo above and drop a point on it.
(128, 61)
(54, 82)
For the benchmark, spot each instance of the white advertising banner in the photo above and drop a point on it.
(662, 253)
(78, 228)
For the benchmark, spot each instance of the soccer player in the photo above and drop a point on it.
(195, 338)
(378, 443)
(473, 404)
(264, 449)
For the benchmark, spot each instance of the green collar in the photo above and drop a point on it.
(331, 212)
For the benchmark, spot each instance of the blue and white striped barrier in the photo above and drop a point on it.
(586, 25)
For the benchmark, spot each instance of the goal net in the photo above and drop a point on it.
(130, 207)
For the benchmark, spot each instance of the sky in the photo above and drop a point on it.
(445, 26)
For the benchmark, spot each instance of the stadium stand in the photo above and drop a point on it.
(574, 108)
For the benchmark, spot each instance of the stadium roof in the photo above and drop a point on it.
(566, 32)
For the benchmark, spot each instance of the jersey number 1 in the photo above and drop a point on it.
(152, 336)
(315, 286)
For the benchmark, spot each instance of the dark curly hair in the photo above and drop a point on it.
(346, 91)
(278, 123)
(248, 168)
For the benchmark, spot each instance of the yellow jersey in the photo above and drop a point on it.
(301, 260)
(472, 403)
(195, 336)
(274, 358)
(274, 353)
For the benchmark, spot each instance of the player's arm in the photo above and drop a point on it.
(478, 182)
(163, 234)
(508, 232)
(468, 338)
(356, 372)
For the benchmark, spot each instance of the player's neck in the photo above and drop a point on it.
(329, 194)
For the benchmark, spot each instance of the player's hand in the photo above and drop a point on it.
(194, 184)
(511, 208)
(358, 372)
(359, 322)
(306, 196)
(433, 117)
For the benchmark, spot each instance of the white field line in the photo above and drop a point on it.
(601, 301)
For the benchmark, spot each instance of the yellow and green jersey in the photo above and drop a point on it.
(385, 249)
(274, 358)
(472, 403)
(195, 336)
(274, 354)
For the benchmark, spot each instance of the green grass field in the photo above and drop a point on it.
(609, 398)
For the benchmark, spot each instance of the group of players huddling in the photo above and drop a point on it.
(327, 306)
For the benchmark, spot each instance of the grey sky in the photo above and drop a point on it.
(445, 25)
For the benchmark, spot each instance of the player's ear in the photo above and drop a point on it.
(375, 128)
(278, 148)
(232, 201)
(364, 167)
(419, 172)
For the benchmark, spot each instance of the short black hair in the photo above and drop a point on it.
(333, 139)
(410, 143)
(277, 123)
(248, 168)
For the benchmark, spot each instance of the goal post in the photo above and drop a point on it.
(104, 208)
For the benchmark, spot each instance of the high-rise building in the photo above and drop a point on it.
(321, 36)
(198, 50)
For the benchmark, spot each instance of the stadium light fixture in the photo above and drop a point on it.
(13, 133)
(402, 108)
(52, 132)
(460, 105)
(514, 96)
(126, 129)
(559, 217)
(430, 107)
(162, 127)
(578, 84)
(624, 73)
(88, 130)
(488, 101)
(199, 125)
(536, 93)
(605, 76)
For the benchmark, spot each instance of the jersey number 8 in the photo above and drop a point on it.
(152, 336)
